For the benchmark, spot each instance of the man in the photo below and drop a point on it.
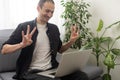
(39, 42)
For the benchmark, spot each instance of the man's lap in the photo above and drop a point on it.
(77, 75)
(38, 77)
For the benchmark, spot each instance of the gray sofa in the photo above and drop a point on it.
(8, 62)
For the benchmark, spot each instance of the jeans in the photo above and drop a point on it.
(76, 75)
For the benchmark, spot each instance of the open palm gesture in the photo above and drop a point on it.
(27, 38)
(74, 33)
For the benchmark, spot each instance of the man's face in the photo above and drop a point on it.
(46, 11)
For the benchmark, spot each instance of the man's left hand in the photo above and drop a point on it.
(74, 33)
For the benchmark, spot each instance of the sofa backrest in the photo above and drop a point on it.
(8, 61)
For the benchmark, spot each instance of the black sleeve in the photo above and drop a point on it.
(60, 42)
(16, 36)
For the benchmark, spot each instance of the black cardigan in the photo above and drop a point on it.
(26, 54)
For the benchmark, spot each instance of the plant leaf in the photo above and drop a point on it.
(116, 51)
(113, 24)
(109, 60)
(105, 39)
(100, 26)
(118, 37)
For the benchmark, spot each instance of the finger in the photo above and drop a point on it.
(33, 31)
(28, 29)
(23, 35)
(77, 30)
(74, 28)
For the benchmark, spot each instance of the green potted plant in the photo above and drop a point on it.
(97, 40)
(110, 53)
(76, 12)
(110, 57)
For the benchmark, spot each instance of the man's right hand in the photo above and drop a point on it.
(26, 41)
(26, 38)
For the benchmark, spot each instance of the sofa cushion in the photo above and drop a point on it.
(99, 78)
(7, 75)
(93, 71)
(1, 78)
(4, 35)
(8, 61)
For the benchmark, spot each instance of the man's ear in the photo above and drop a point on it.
(38, 8)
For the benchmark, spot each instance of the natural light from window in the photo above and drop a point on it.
(13, 12)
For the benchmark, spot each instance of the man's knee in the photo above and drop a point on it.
(76, 75)
(81, 75)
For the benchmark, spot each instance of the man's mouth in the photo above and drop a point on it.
(48, 17)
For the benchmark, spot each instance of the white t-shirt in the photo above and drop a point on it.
(41, 56)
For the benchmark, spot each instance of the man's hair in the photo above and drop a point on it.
(41, 2)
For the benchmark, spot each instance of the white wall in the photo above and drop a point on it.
(109, 12)
(13, 12)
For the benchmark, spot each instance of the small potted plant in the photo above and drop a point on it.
(76, 12)
(110, 53)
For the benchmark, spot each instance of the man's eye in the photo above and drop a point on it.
(49, 11)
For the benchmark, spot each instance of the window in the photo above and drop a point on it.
(13, 12)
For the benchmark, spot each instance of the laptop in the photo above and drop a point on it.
(69, 62)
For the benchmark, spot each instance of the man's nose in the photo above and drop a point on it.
(50, 14)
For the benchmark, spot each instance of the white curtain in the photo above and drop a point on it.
(13, 12)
